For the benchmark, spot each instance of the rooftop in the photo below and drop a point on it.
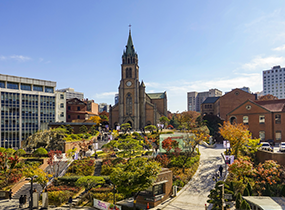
(277, 105)
(210, 100)
(157, 95)
(267, 203)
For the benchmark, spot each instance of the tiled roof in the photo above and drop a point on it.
(210, 100)
(277, 105)
(156, 95)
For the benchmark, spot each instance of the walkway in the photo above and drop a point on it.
(195, 194)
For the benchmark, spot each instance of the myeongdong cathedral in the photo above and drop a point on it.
(135, 106)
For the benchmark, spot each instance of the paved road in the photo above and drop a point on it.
(195, 195)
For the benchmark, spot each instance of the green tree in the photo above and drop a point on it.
(246, 192)
(150, 128)
(249, 188)
(164, 120)
(69, 129)
(42, 176)
(189, 119)
(174, 122)
(216, 195)
(40, 152)
(93, 131)
(135, 176)
(89, 182)
(125, 127)
(20, 152)
(2, 149)
(83, 129)
(238, 201)
(244, 205)
(10, 152)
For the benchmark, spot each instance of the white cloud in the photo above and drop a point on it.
(20, 58)
(281, 48)
(105, 95)
(263, 63)
(41, 60)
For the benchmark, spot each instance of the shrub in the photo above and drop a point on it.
(40, 152)
(10, 151)
(68, 180)
(20, 152)
(58, 197)
(84, 167)
(2, 149)
(63, 188)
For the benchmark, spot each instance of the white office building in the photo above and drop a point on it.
(274, 82)
(27, 105)
(70, 93)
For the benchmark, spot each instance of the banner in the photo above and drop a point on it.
(229, 159)
(226, 144)
(104, 205)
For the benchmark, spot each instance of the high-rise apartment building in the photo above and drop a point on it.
(70, 93)
(27, 105)
(274, 82)
(195, 99)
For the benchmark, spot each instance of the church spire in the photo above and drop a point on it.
(130, 55)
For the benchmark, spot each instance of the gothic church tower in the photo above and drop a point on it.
(129, 86)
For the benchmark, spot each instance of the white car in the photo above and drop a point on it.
(282, 147)
(266, 146)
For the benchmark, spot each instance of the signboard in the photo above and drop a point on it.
(228, 196)
(104, 205)
(229, 159)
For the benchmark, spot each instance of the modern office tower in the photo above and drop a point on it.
(61, 106)
(27, 105)
(195, 99)
(103, 107)
(274, 82)
(70, 93)
(116, 98)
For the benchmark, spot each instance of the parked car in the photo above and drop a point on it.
(266, 146)
(282, 147)
(271, 142)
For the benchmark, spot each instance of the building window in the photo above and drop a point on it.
(68, 116)
(78, 116)
(26, 87)
(245, 120)
(12, 85)
(2, 84)
(49, 89)
(277, 118)
(158, 189)
(278, 135)
(61, 105)
(61, 96)
(262, 135)
(261, 119)
(129, 73)
(78, 108)
(233, 120)
(68, 107)
(62, 114)
(38, 88)
(129, 104)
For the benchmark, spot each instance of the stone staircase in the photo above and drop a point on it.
(25, 190)
(98, 167)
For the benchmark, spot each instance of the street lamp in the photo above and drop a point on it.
(31, 192)
(222, 186)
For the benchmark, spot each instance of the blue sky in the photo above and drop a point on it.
(183, 46)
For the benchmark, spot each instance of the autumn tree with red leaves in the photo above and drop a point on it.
(7, 166)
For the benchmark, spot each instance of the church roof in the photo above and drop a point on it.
(210, 100)
(157, 95)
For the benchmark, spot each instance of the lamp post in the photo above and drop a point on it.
(222, 186)
(31, 192)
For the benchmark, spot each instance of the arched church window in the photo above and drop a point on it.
(130, 72)
(133, 60)
(129, 104)
(128, 60)
(123, 60)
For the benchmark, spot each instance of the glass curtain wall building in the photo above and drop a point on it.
(26, 106)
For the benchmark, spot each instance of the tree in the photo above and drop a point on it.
(83, 129)
(237, 134)
(96, 119)
(244, 205)
(89, 182)
(20, 152)
(150, 128)
(10, 152)
(42, 176)
(7, 165)
(125, 127)
(190, 143)
(213, 123)
(168, 144)
(55, 164)
(238, 201)
(164, 120)
(93, 131)
(40, 152)
(216, 195)
(267, 97)
(135, 176)
(189, 118)
(174, 122)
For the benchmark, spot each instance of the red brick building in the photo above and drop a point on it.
(265, 119)
(80, 110)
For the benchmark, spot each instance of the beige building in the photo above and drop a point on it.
(195, 99)
(134, 105)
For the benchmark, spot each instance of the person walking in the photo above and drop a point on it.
(24, 200)
(221, 170)
(10, 194)
(70, 202)
(21, 201)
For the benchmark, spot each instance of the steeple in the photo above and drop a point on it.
(129, 53)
